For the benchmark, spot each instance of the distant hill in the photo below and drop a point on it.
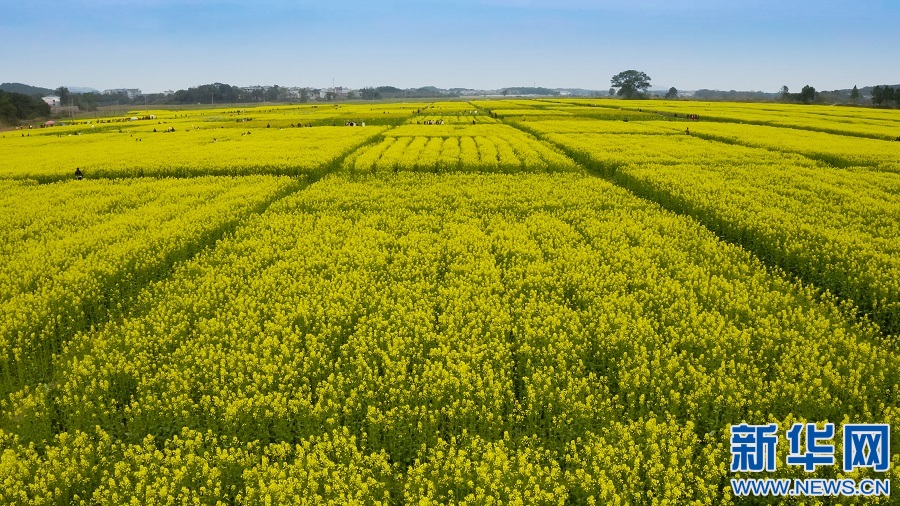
(25, 89)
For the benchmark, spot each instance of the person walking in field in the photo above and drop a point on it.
(78, 174)
(687, 130)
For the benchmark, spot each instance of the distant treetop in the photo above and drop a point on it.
(631, 83)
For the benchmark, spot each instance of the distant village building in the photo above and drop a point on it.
(249, 92)
(51, 100)
(131, 93)
(340, 93)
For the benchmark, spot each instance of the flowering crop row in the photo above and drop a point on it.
(418, 338)
(185, 152)
(834, 227)
(791, 116)
(464, 119)
(529, 112)
(838, 150)
(577, 125)
(441, 148)
(75, 253)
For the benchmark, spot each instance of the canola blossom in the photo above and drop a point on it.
(185, 152)
(74, 253)
(458, 147)
(403, 338)
(837, 120)
(836, 150)
(558, 301)
(833, 227)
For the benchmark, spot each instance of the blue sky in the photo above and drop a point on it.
(157, 45)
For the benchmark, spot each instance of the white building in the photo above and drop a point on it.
(52, 100)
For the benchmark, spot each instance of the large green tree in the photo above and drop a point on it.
(631, 83)
(808, 94)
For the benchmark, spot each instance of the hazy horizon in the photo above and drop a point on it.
(158, 45)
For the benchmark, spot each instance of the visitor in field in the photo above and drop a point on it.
(78, 174)
(687, 130)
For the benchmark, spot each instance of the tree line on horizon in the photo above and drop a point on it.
(15, 107)
(16, 104)
(633, 84)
